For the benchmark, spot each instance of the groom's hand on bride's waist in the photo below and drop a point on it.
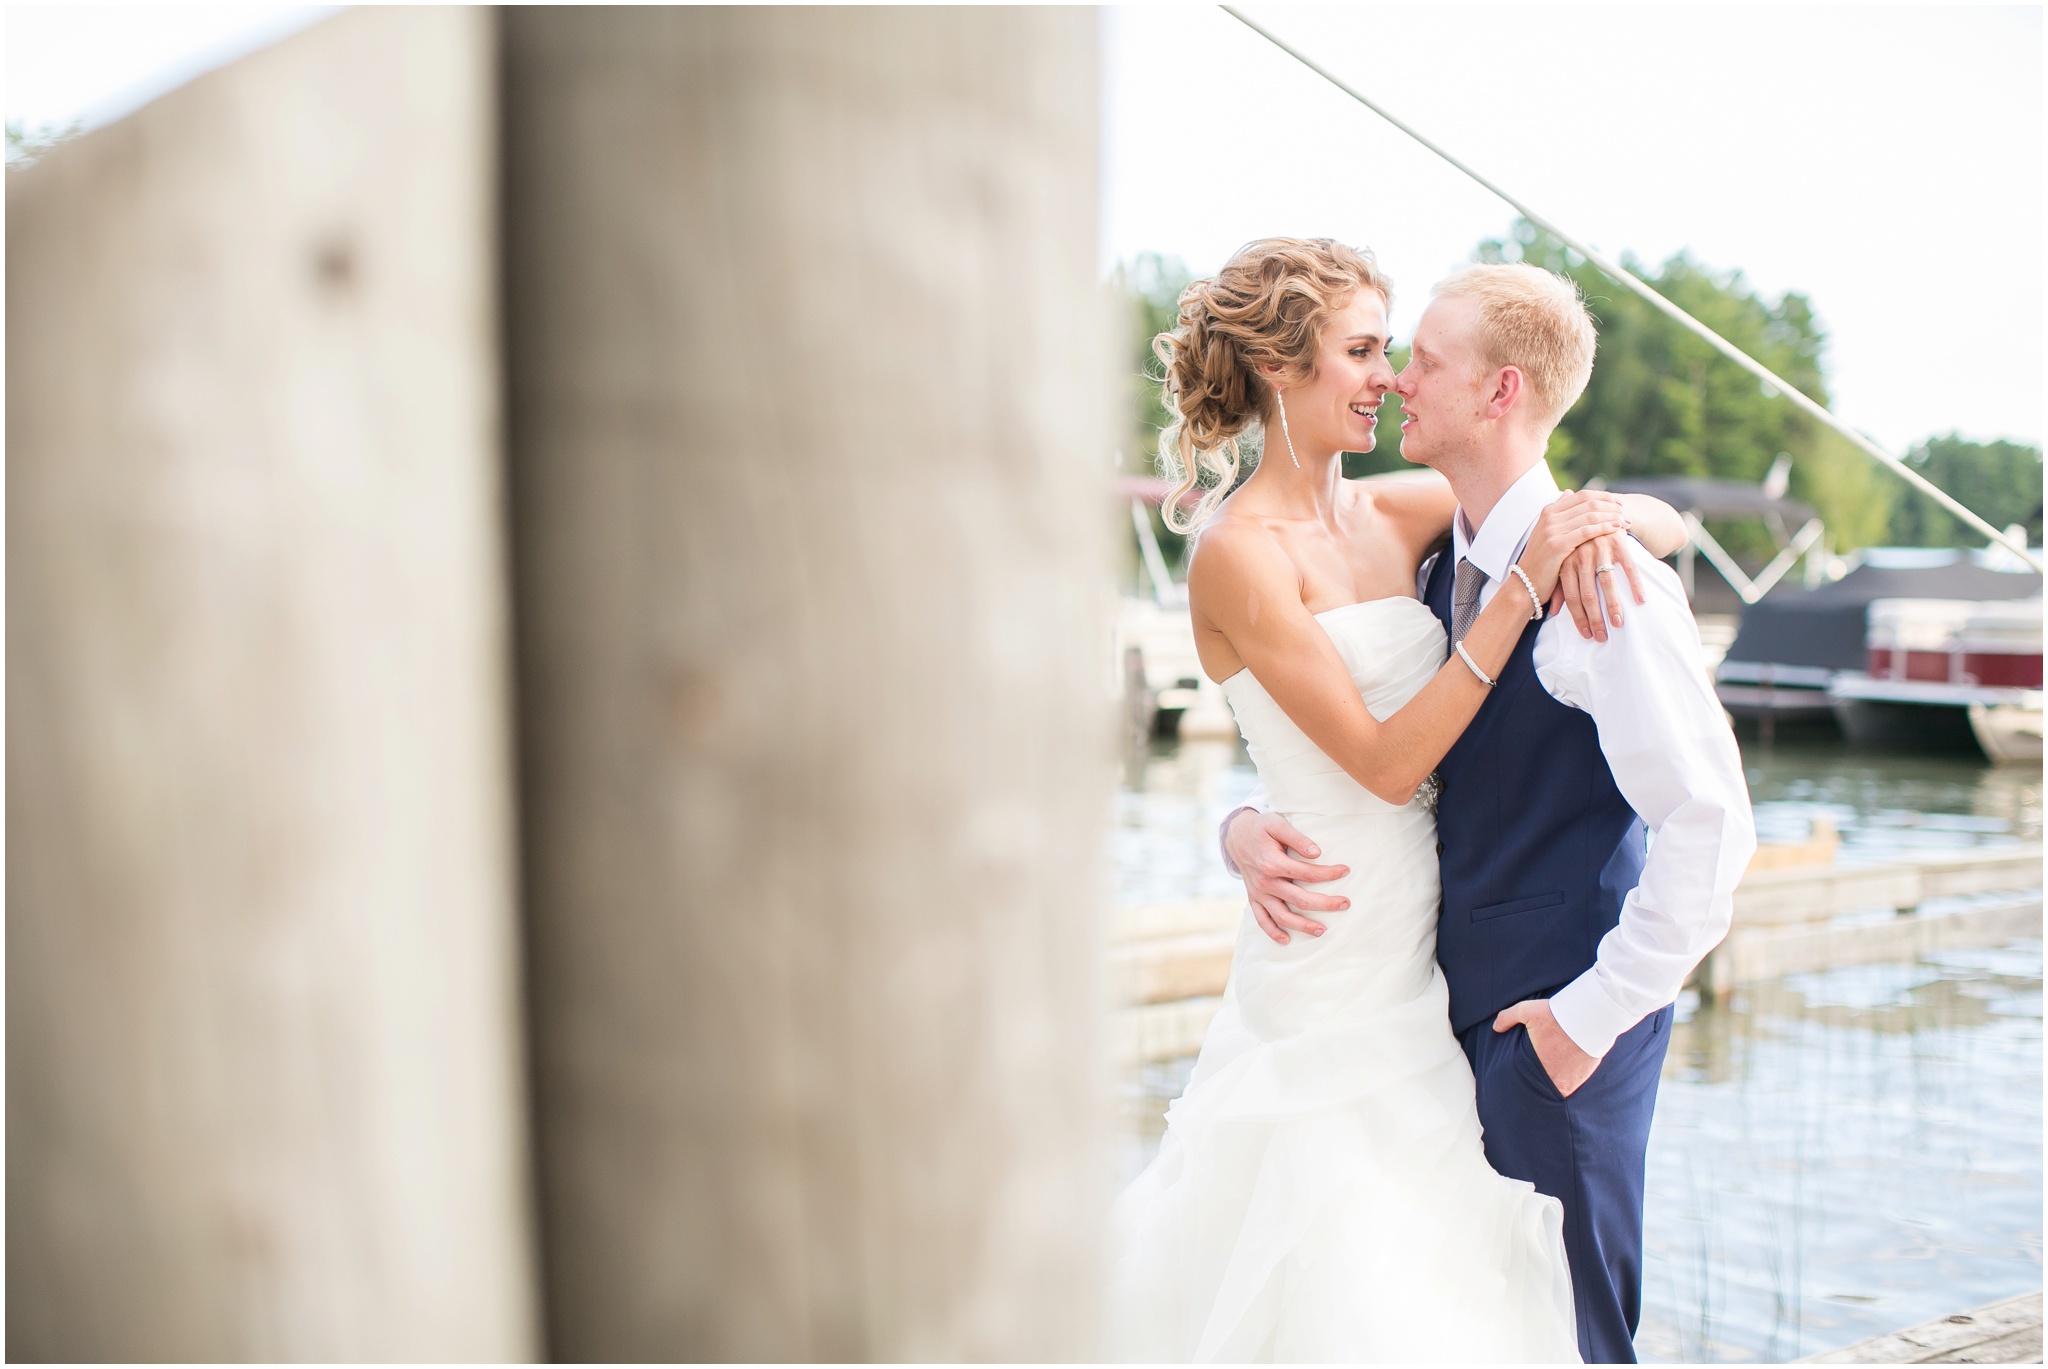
(1567, 1065)
(1275, 861)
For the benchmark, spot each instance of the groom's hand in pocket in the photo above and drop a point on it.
(1275, 860)
(1567, 1065)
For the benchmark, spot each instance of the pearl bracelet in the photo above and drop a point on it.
(1535, 604)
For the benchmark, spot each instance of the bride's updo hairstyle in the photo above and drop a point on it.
(1266, 307)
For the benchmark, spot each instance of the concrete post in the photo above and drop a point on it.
(812, 505)
(264, 1090)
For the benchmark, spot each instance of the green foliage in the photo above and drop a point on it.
(26, 142)
(2000, 480)
(1663, 402)
(1849, 489)
(1151, 287)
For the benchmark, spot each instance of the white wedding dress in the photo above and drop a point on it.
(1321, 1192)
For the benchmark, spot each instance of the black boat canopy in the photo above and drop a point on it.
(1825, 627)
(1714, 498)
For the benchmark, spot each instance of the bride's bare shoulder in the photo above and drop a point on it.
(1233, 548)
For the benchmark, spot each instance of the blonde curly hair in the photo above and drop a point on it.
(1266, 307)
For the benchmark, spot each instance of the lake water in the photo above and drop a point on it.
(1835, 1155)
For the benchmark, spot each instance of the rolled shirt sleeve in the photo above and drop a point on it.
(1674, 759)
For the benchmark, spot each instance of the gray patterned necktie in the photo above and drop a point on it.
(1465, 598)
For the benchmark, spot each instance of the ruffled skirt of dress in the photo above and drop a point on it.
(1325, 1196)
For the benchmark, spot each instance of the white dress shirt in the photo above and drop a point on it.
(1673, 757)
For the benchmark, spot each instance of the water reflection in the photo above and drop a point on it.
(1885, 804)
(1172, 797)
(1839, 1155)
(1835, 1155)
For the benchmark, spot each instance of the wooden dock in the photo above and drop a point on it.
(2006, 1332)
(1791, 921)
(1170, 963)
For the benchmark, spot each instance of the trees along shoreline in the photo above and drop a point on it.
(1663, 402)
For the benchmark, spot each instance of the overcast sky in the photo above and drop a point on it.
(1887, 161)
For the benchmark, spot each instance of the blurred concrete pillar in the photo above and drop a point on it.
(810, 469)
(263, 1082)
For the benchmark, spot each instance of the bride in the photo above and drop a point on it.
(1321, 1192)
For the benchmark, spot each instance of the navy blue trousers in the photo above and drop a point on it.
(1587, 1152)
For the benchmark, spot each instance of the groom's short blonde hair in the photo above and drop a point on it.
(1533, 320)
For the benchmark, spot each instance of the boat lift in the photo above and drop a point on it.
(1699, 499)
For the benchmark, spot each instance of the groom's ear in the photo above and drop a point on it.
(1508, 387)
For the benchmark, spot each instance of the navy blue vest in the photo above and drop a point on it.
(1538, 848)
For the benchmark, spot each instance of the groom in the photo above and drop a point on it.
(1566, 932)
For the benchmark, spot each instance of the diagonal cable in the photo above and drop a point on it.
(1622, 276)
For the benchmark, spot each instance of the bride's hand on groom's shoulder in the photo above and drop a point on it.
(1567, 1065)
(1276, 862)
(1592, 604)
(1566, 524)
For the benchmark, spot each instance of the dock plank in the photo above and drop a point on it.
(2007, 1332)
(1757, 953)
(1160, 1031)
(2021, 869)
(1144, 921)
(1777, 896)
(1765, 897)
(1818, 893)
(1169, 962)
(1162, 969)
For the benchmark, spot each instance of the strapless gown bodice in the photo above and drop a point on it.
(1322, 1192)
(1392, 648)
(1362, 964)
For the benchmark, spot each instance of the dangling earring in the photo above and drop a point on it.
(1281, 400)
